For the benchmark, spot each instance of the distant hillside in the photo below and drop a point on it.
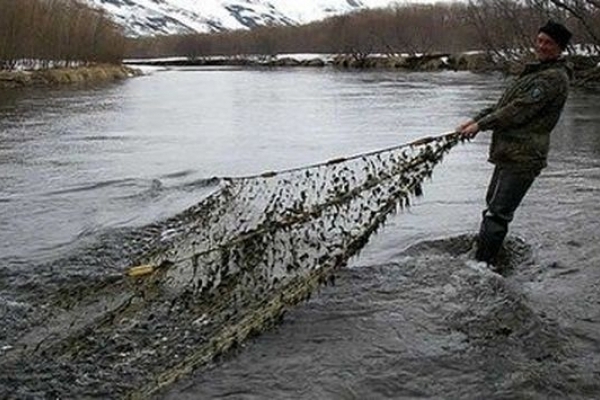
(152, 17)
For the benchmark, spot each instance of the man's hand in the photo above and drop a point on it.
(469, 129)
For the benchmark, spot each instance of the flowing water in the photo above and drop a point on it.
(406, 319)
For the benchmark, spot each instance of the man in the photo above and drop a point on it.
(521, 123)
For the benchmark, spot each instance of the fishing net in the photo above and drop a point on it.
(229, 267)
(266, 229)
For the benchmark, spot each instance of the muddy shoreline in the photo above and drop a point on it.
(66, 76)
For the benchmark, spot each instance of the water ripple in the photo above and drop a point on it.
(93, 186)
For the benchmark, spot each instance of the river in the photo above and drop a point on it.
(405, 319)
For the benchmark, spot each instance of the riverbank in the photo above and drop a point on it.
(62, 76)
(586, 68)
(475, 61)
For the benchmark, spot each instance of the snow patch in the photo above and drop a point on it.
(151, 17)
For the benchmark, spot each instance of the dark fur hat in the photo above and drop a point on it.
(558, 32)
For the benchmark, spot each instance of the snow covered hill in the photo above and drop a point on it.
(152, 17)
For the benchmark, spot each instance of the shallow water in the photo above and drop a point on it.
(79, 166)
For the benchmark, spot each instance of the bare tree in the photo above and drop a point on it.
(56, 31)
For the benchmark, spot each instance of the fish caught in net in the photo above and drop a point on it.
(230, 266)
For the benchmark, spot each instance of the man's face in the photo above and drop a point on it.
(546, 48)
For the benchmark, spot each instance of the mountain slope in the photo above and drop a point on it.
(151, 17)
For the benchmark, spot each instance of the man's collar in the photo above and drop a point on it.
(541, 65)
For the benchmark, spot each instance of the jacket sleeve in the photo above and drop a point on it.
(525, 106)
(484, 112)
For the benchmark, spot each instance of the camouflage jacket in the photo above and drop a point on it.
(525, 115)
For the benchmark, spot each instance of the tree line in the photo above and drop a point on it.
(503, 27)
(413, 28)
(47, 32)
(69, 32)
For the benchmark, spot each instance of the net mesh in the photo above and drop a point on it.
(268, 228)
